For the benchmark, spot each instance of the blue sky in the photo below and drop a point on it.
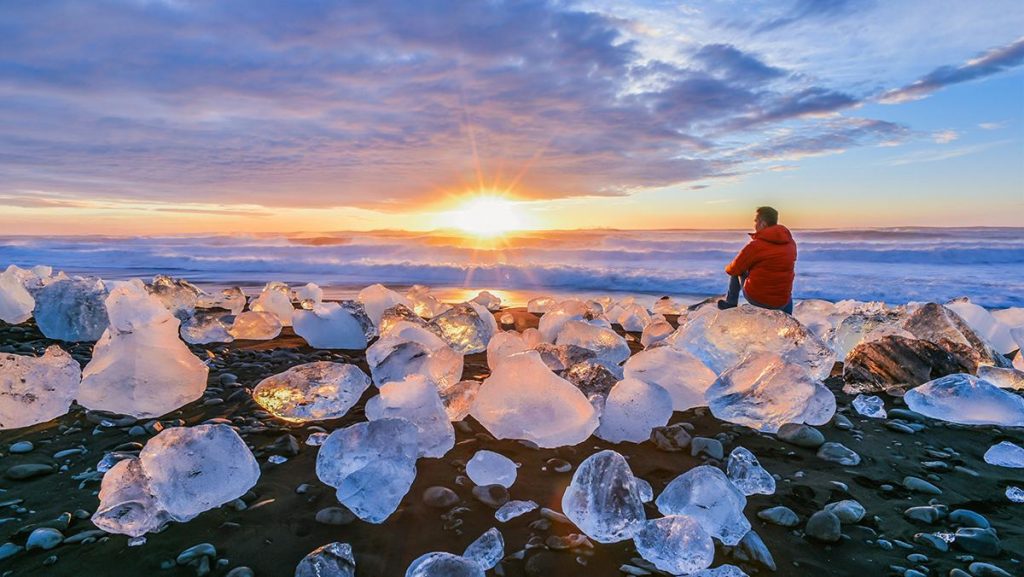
(135, 116)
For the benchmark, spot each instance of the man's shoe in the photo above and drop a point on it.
(724, 304)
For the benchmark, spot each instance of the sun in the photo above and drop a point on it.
(486, 216)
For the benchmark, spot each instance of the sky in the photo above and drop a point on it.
(174, 116)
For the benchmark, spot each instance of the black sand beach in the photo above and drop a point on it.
(276, 524)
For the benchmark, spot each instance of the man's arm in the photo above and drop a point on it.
(743, 261)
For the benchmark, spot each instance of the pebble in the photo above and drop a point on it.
(710, 447)
(440, 497)
(9, 550)
(979, 569)
(838, 453)
(917, 558)
(906, 414)
(195, 552)
(848, 511)
(44, 538)
(28, 471)
(335, 516)
(491, 495)
(958, 573)
(241, 572)
(842, 423)
(978, 541)
(559, 465)
(933, 541)
(801, 435)
(752, 548)
(21, 447)
(968, 518)
(926, 514)
(913, 573)
(921, 486)
(824, 526)
(782, 516)
(285, 446)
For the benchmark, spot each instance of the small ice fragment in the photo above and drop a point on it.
(540, 305)
(487, 550)
(603, 499)
(1015, 494)
(747, 473)
(378, 298)
(676, 544)
(316, 439)
(872, 407)
(444, 565)
(606, 343)
(334, 326)
(255, 326)
(277, 459)
(645, 489)
(967, 400)
(467, 327)
(178, 295)
(408, 349)
(309, 293)
(490, 468)
(487, 300)
(206, 327)
(1005, 454)
(655, 332)
(232, 299)
(331, 560)
(514, 509)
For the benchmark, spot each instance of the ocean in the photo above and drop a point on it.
(894, 265)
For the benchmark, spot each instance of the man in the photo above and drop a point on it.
(764, 268)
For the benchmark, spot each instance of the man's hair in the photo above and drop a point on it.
(769, 215)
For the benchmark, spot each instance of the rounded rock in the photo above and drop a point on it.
(801, 435)
(44, 538)
(782, 516)
(21, 447)
(335, 516)
(848, 511)
(824, 526)
(439, 497)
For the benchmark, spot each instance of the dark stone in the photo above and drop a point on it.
(978, 541)
(824, 526)
(28, 471)
(671, 438)
(896, 363)
(491, 495)
(440, 497)
(801, 435)
(285, 445)
(335, 516)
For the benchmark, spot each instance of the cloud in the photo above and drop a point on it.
(803, 10)
(945, 136)
(987, 64)
(990, 125)
(921, 156)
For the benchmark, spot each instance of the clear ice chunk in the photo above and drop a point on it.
(332, 325)
(309, 295)
(720, 571)
(139, 366)
(458, 399)
(398, 313)
(1002, 378)
(409, 349)
(633, 318)
(765, 391)
(312, 391)
(206, 327)
(722, 338)
(1015, 494)
(606, 343)
(707, 495)
(514, 509)
(986, 325)
(371, 464)
(180, 473)
(487, 300)
(36, 389)
(1005, 454)
(72, 309)
(178, 295)
(232, 299)
(633, 408)
(666, 306)
(967, 400)
(747, 473)
(16, 303)
(487, 550)
(603, 499)
(523, 399)
(378, 298)
(677, 371)
(255, 326)
(444, 565)
(872, 407)
(676, 544)
(331, 560)
(416, 400)
(540, 305)
(818, 315)
(466, 327)
(276, 299)
(490, 468)
(655, 332)
(508, 343)
(425, 304)
(557, 315)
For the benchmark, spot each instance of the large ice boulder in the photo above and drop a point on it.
(985, 324)
(180, 473)
(416, 400)
(634, 408)
(37, 389)
(860, 328)
(371, 464)
(312, 392)
(721, 339)
(676, 544)
(425, 304)
(255, 326)
(409, 349)
(603, 499)
(968, 400)
(378, 298)
(632, 317)
(333, 325)
(895, 363)
(1002, 378)
(16, 303)
(178, 295)
(820, 316)
(507, 343)
(606, 343)
(399, 313)
(466, 327)
(139, 366)
(940, 325)
(72, 309)
(276, 299)
(766, 391)
(523, 399)
(707, 495)
(683, 375)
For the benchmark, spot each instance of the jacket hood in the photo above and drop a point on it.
(775, 234)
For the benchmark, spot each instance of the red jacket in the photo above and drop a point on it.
(768, 259)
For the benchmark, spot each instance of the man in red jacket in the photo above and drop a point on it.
(764, 268)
